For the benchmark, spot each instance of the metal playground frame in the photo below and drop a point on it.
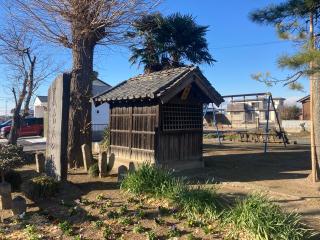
(270, 107)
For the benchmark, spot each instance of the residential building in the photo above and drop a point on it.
(305, 101)
(100, 114)
(253, 112)
(40, 106)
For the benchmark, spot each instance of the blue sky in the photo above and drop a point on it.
(233, 41)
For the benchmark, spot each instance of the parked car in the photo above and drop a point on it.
(28, 127)
(6, 123)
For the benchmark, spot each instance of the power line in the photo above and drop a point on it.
(249, 45)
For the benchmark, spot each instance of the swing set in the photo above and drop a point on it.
(270, 108)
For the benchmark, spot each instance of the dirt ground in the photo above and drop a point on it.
(238, 168)
(84, 200)
(281, 173)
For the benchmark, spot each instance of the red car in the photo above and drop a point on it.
(29, 127)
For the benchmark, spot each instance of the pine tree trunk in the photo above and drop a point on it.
(315, 109)
(79, 130)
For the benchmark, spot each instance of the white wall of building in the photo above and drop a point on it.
(100, 114)
(295, 126)
(39, 108)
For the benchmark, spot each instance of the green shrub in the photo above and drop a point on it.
(138, 228)
(264, 220)
(122, 210)
(66, 228)
(191, 237)
(158, 182)
(32, 232)
(200, 201)
(231, 137)
(125, 221)
(174, 232)
(42, 187)
(14, 178)
(151, 235)
(107, 232)
(255, 215)
(152, 180)
(98, 224)
(94, 170)
(105, 143)
(11, 156)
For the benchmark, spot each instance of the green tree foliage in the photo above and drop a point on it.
(10, 156)
(290, 112)
(291, 18)
(298, 20)
(167, 42)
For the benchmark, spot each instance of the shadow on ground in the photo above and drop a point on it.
(246, 163)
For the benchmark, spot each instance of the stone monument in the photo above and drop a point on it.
(56, 164)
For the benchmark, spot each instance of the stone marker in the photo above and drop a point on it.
(111, 160)
(87, 157)
(19, 205)
(40, 162)
(122, 172)
(132, 168)
(5, 196)
(96, 149)
(103, 164)
(56, 164)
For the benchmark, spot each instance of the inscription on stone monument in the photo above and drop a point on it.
(56, 164)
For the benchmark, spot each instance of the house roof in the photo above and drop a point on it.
(43, 99)
(161, 85)
(304, 99)
(99, 82)
(98, 87)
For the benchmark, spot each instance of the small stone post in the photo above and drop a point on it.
(40, 162)
(111, 160)
(87, 158)
(122, 172)
(103, 164)
(19, 205)
(5, 196)
(132, 167)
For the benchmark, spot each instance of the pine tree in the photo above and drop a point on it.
(298, 20)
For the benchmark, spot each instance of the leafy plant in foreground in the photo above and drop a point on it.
(94, 170)
(200, 201)
(43, 187)
(174, 232)
(151, 235)
(107, 232)
(10, 156)
(32, 233)
(98, 224)
(265, 220)
(66, 228)
(138, 229)
(152, 180)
